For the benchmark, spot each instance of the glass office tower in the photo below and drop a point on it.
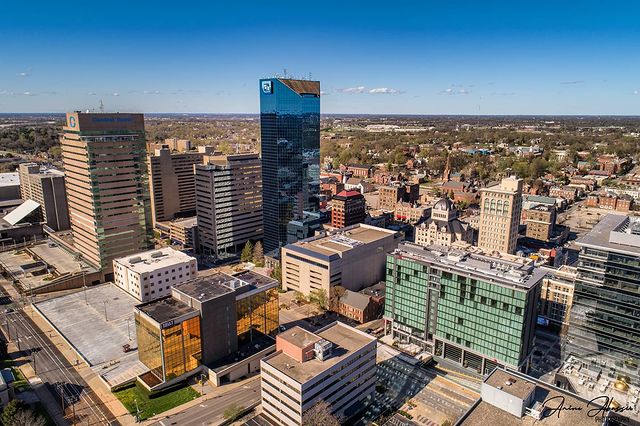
(290, 138)
(604, 325)
(475, 310)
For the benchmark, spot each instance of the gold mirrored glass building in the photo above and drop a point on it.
(204, 321)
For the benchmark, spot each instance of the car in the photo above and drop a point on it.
(282, 328)
(369, 330)
(8, 310)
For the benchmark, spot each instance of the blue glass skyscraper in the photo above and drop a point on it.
(290, 139)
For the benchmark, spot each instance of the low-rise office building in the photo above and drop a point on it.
(205, 321)
(151, 274)
(470, 308)
(353, 257)
(336, 364)
(185, 232)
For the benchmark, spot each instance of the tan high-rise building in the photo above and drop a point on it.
(107, 186)
(172, 183)
(228, 202)
(46, 187)
(500, 209)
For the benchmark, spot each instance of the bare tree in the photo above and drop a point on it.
(27, 418)
(319, 415)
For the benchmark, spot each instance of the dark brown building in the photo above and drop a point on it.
(348, 208)
(390, 195)
(540, 220)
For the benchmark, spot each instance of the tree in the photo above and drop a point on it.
(319, 414)
(447, 423)
(319, 298)
(27, 417)
(233, 412)
(336, 293)
(258, 254)
(247, 252)
(277, 273)
(299, 297)
(10, 412)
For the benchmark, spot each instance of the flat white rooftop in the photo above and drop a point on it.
(152, 260)
(9, 179)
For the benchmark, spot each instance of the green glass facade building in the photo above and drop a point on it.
(475, 310)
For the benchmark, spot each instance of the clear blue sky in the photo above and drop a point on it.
(429, 57)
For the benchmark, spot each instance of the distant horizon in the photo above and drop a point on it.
(257, 114)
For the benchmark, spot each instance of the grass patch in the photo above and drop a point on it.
(150, 406)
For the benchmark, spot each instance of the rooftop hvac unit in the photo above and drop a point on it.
(156, 254)
(135, 259)
(323, 349)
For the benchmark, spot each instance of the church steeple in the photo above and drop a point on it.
(446, 175)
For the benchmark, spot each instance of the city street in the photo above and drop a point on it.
(210, 410)
(62, 382)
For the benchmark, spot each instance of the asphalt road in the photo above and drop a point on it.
(60, 378)
(210, 411)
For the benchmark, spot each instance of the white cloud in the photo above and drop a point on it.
(572, 82)
(452, 91)
(27, 93)
(323, 93)
(115, 94)
(636, 92)
(359, 89)
(23, 74)
(92, 93)
(151, 92)
(383, 90)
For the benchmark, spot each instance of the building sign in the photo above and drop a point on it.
(72, 121)
(542, 321)
(167, 324)
(267, 87)
(111, 119)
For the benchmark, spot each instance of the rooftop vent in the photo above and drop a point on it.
(509, 382)
(323, 349)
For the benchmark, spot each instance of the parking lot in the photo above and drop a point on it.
(97, 323)
(420, 391)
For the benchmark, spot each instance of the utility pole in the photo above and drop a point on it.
(33, 355)
(137, 411)
(6, 323)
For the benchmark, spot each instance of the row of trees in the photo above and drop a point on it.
(253, 253)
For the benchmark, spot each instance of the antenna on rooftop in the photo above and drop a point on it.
(309, 76)
(101, 106)
(285, 73)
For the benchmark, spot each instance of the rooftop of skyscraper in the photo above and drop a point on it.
(216, 284)
(153, 259)
(345, 340)
(504, 269)
(340, 240)
(614, 232)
